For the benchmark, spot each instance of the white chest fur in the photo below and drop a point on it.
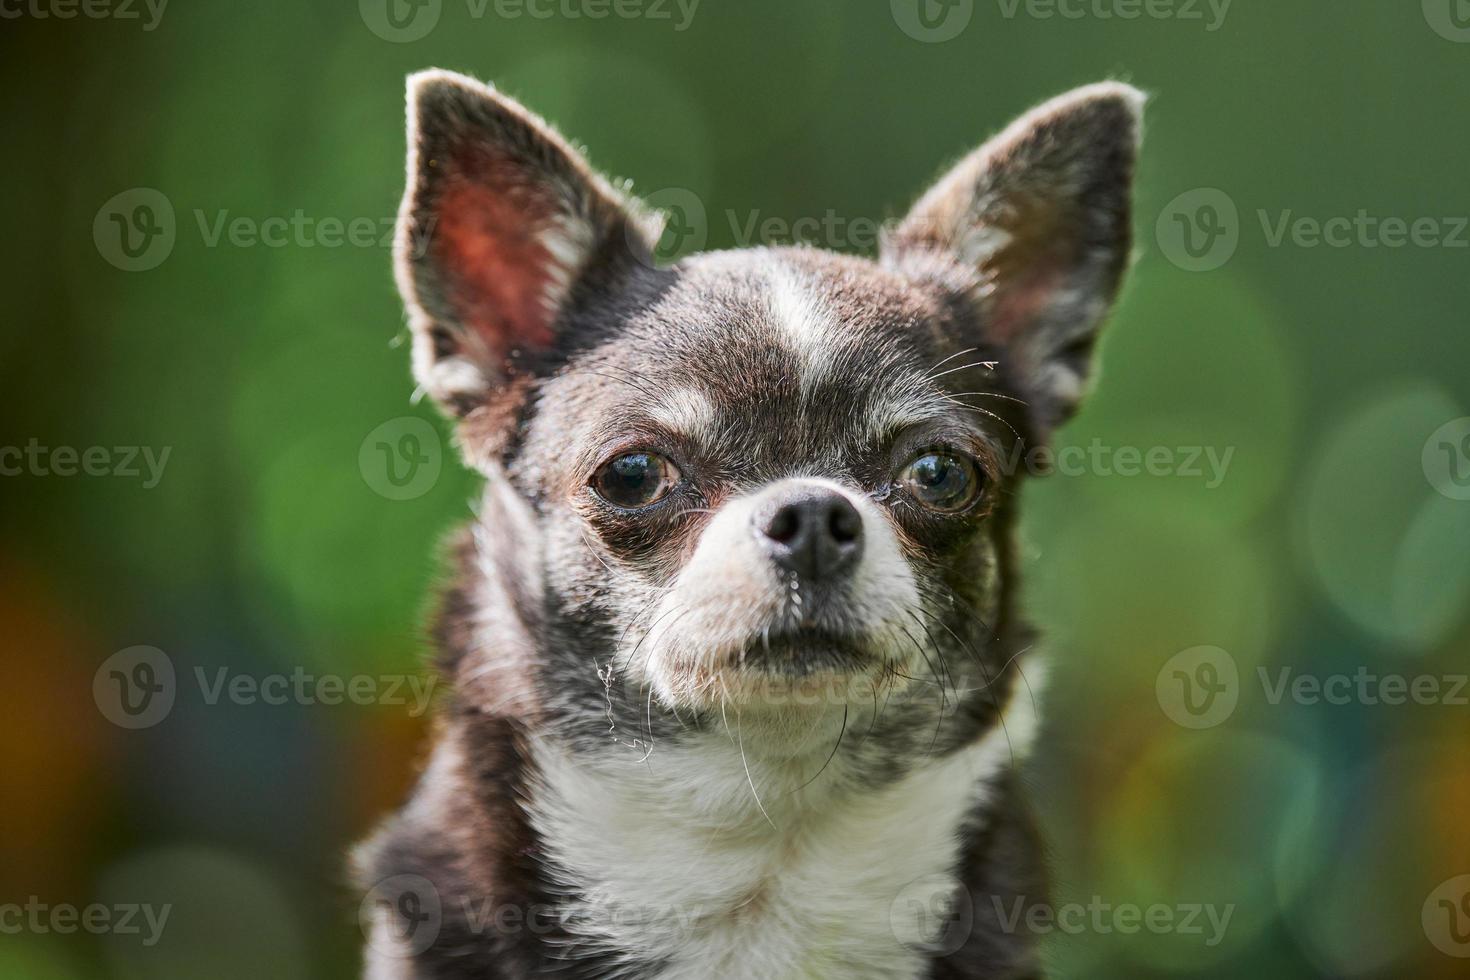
(678, 863)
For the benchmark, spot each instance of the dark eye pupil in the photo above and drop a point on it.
(631, 474)
(932, 471)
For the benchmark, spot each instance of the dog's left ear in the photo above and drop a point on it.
(1034, 230)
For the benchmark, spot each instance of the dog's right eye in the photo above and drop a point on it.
(635, 480)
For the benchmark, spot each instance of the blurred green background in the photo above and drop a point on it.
(1336, 542)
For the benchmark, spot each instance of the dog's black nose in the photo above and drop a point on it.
(815, 532)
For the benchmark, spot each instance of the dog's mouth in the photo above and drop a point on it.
(801, 652)
(791, 668)
(799, 670)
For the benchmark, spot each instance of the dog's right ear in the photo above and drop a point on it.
(1034, 229)
(502, 222)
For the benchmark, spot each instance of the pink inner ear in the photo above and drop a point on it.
(1027, 273)
(496, 273)
(1017, 304)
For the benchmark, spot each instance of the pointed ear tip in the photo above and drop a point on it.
(439, 88)
(428, 80)
(1131, 95)
(1105, 109)
(1099, 96)
(1106, 96)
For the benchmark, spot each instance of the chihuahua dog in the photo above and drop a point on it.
(739, 677)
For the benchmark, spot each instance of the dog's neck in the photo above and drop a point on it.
(712, 858)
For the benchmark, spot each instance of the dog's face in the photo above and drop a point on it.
(773, 477)
(760, 482)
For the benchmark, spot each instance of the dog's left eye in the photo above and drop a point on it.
(942, 481)
(635, 480)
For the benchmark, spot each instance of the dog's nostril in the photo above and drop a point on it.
(784, 525)
(844, 523)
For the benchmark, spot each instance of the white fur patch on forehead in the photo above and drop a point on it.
(804, 323)
(687, 411)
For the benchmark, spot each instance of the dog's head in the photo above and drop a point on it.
(765, 470)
